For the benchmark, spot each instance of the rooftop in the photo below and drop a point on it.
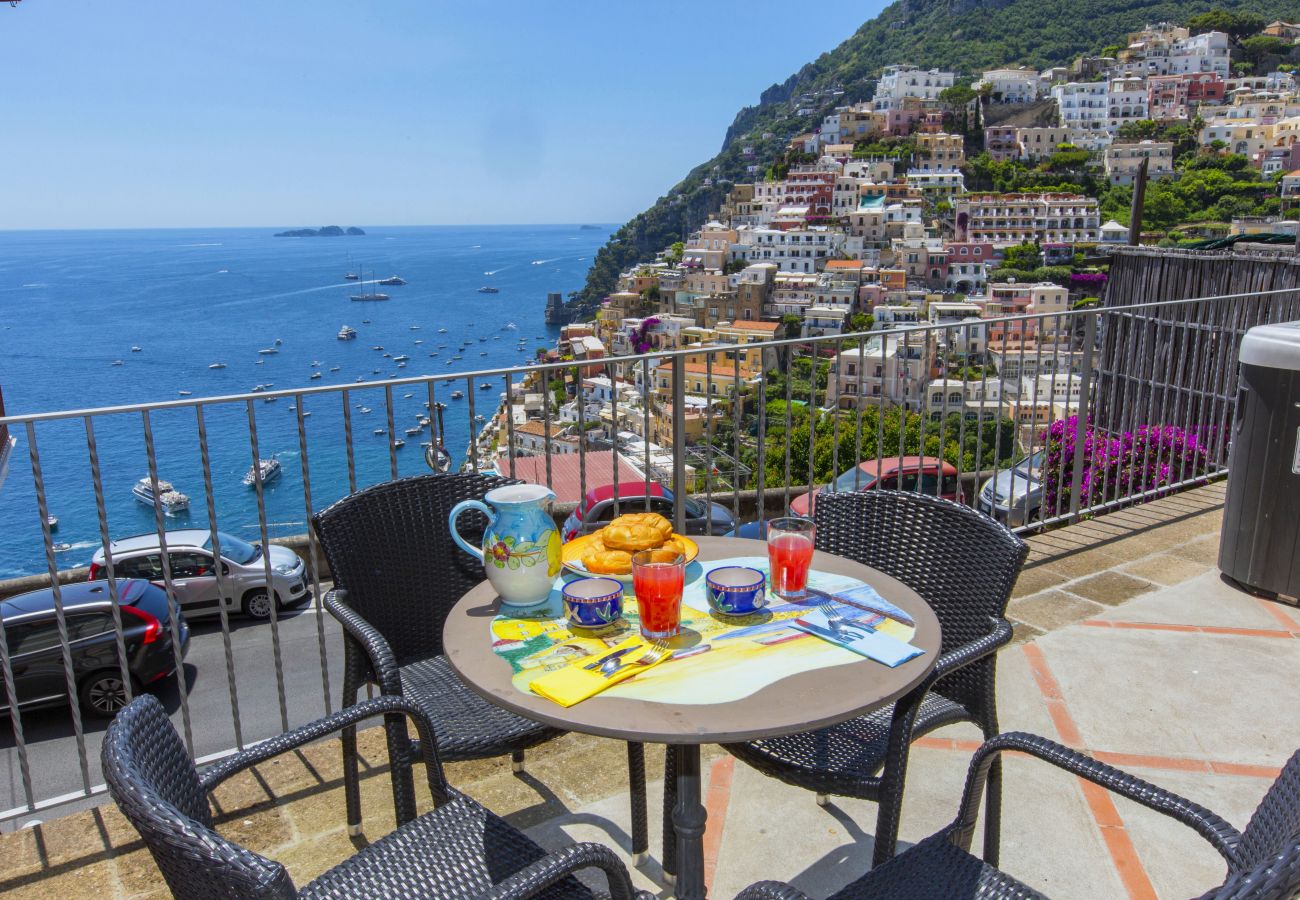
(1126, 606)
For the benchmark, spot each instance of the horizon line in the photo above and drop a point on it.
(197, 227)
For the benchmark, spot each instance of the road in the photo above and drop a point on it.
(51, 741)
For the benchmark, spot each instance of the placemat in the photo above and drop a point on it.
(718, 658)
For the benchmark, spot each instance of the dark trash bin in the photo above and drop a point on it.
(1260, 543)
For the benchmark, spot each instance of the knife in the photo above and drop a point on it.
(615, 655)
(834, 637)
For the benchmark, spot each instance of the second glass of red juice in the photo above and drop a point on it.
(789, 556)
(658, 578)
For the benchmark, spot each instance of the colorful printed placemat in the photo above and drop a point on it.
(718, 658)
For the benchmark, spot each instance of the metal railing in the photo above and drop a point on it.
(855, 407)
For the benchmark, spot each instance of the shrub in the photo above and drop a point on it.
(1148, 458)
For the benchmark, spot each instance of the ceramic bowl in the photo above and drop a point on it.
(593, 602)
(736, 590)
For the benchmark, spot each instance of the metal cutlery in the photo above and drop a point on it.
(612, 656)
(655, 652)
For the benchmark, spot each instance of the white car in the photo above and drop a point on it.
(194, 578)
(1015, 496)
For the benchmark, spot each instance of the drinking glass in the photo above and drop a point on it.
(658, 579)
(789, 555)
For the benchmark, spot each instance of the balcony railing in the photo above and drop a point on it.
(1151, 392)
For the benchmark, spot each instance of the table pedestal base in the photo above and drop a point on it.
(688, 824)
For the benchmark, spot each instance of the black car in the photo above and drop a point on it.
(598, 509)
(32, 636)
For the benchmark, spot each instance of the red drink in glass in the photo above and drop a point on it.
(789, 556)
(658, 587)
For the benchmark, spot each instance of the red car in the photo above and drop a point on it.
(924, 474)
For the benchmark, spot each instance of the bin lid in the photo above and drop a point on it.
(1273, 346)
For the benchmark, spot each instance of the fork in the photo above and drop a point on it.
(656, 651)
(838, 624)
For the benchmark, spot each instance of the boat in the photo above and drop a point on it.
(184, 393)
(482, 353)
(433, 353)
(61, 547)
(365, 409)
(268, 351)
(117, 362)
(496, 337)
(306, 413)
(479, 419)
(351, 276)
(217, 366)
(269, 399)
(424, 420)
(399, 444)
(365, 321)
(458, 356)
(377, 347)
(380, 431)
(52, 522)
(458, 395)
(292, 408)
(393, 280)
(407, 396)
(259, 362)
(418, 341)
(510, 326)
(315, 375)
(335, 368)
(315, 363)
(442, 331)
(485, 289)
(374, 371)
(170, 500)
(414, 328)
(482, 338)
(135, 350)
(485, 386)
(278, 342)
(401, 357)
(414, 431)
(360, 379)
(258, 388)
(373, 295)
(270, 469)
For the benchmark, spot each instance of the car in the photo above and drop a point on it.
(36, 655)
(597, 510)
(924, 474)
(1014, 496)
(189, 552)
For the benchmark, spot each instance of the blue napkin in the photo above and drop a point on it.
(858, 637)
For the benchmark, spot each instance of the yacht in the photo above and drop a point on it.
(380, 431)
(315, 375)
(268, 351)
(401, 365)
(365, 409)
(458, 395)
(418, 342)
(482, 353)
(372, 295)
(135, 349)
(392, 280)
(360, 379)
(510, 326)
(52, 522)
(407, 396)
(414, 431)
(217, 366)
(335, 368)
(270, 469)
(485, 386)
(401, 357)
(399, 443)
(258, 388)
(377, 347)
(442, 331)
(117, 362)
(351, 276)
(488, 290)
(346, 333)
(170, 500)
(184, 393)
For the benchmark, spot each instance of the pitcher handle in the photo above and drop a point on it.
(456, 510)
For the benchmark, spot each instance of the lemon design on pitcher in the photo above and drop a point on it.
(554, 555)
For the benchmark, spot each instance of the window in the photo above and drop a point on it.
(32, 637)
(89, 624)
(147, 567)
(190, 565)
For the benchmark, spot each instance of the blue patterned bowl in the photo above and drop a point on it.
(593, 602)
(736, 590)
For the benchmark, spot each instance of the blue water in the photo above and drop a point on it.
(72, 302)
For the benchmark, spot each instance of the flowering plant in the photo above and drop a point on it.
(1089, 278)
(1145, 459)
(641, 337)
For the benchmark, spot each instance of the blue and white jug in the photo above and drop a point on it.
(521, 546)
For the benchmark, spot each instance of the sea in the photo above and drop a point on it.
(74, 302)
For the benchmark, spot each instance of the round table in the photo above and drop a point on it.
(800, 702)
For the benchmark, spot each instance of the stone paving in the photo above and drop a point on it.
(1128, 646)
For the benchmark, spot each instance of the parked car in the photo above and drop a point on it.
(36, 656)
(597, 510)
(1015, 495)
(189, 552)
(924, 474)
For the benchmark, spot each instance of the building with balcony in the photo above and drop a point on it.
(1208, 52)
(1020, 85)
(1122, 161)
(1012, 218)
(900, 82)
(1083, 105)
(803, 250)
(824, 320)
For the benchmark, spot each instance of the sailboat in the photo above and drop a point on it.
(365, 295)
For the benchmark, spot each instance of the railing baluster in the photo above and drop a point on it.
(708, 441)
(347, 441)
(760, 457)
(645, 423)
(789, 423)
(314, 554)
(219, 569)
(16, 719)
(812, 422)
(679, 442)
(737, 421)
(858, 402)
(614, 458)
(582, 442)
(392, 430)
(60, 617)
(272, 598)
(1080, 421)
(473, 437)
(920, 412)
(168, 582)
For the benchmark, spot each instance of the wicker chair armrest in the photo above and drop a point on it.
(368, 640)
(546, 872)
(1221, 835)
(966, 654)
(772, 890)
(290, 740)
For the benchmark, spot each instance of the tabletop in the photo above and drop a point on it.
(798, 702)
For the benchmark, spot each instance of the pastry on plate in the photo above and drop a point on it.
(608, 562)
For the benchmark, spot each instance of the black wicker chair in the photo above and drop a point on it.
(457, 850)
(397, 575)
(1263, 861)
(964, 565)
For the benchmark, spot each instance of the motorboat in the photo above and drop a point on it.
(135, 350)
(169, 500)
(315, 375)
(401, 365)
(392, 280)
(315, 363)
(52, 522)
(401, 357)
(458, 356)
(433, 353)
(367, 296)
(442, 331)
(510, 326)
(485, 289)
(184, 393)
(399, 443)
(377, 347)
(360, 379)
(117, 362)
(258, 388)
(335, 368)
(414, 431)
(479, 419)
(485, 386)
(418, 342)
(217, 366)
(351, 276)
(61, 547)
(364, 409)
(458, 395)
(269, 399)
(414, 327)
(407, 396)
(482, 353)
(268, 351)
(346, 333)
(482, 339)
(270, 469)
(278, 342)
(380, 431)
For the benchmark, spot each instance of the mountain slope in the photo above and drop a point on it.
(963, 35)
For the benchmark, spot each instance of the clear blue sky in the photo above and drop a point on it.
(139, 113)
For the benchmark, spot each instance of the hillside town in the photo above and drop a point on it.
(869, 221)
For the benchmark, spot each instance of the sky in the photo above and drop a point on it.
(184, 113)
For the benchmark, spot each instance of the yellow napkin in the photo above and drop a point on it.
(573, 683)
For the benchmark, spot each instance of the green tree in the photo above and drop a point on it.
(1027, 255)
(1236, 24)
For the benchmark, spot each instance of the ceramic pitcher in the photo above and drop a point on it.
(521, 546)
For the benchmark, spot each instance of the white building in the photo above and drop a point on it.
(1083, 105)
(1127, 99)
(820, 320)
(885, 371)
(1207, 52)
(898, 82)
(1122, 161)
(793, 250)
(1020, 85)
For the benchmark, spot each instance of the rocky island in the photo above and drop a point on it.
(327, 231)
